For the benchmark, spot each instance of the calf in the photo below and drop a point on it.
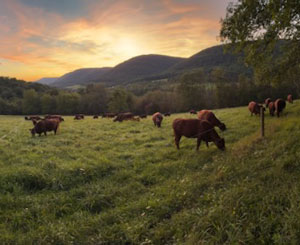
(279, 106)
(45, 126)
(157, 119)
(210, 116)
(195, 128)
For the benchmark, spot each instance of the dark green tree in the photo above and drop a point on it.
(268, 32)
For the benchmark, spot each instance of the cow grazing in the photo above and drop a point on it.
(254, 108)
(124, 116)
(78, 117)
(267, 101)
(108, 115)
(195, 128)
(44, 126)
(143, 116)
(167, 114)
(193, 112)
(290, 98)
(279, 106)
(271, 106)
(210, 116)
(157, 119)
(95, 116)
(58, 117)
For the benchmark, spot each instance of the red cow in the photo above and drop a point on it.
(157, 119)
(279, 106)
(195, 128)
(290, 98)
(267, 101)
(44, 126)
(124, 116)
(271, 106)
(210, 116)
(254, 108)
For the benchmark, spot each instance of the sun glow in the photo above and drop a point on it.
(128, 47)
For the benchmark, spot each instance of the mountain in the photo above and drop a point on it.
(47, 80)
(80, 77)
(154, 67)
(210, 58)
(140, 67)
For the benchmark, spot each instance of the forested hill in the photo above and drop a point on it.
(153, 67)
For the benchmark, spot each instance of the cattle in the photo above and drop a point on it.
(124, 116)
(44, 126)
(157, 119)
(33, 118)
(109, 115)
(95, 117)
(143, 116)
(279, 106)
(59, 117)
(290, 98)
(271, 106)
(267, 101)
(167, 114)
(210, 116)
(195, 128)
(78, 117)
(254, 108)
(193, 112)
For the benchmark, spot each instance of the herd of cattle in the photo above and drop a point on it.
(202, 128)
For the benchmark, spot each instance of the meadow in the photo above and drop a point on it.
(104, 182)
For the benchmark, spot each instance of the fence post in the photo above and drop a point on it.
(262, 116)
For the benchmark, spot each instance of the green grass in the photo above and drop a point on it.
(99, 182)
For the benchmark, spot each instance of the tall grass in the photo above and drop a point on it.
(97, 181)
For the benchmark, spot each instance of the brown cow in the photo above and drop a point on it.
(279, 106)
(167, 114)
(44, 126)
(78, 117)
(254, 108)
(95, 117)
(59, 117)
(267, 101)
(195, 128)
(124, 116)
(193, 112)
(210, 116)
(290, 98)
(271, 106)
(109, 115)
(157, 119)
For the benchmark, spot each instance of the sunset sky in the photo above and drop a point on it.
(48, 38)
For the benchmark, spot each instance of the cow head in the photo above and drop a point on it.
(222, 126)
(32, 131)
(220, 143)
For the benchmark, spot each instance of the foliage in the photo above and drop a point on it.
(100, 182)
(268, 32)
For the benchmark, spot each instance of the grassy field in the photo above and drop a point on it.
(99, 182)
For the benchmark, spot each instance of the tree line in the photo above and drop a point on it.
(192, 90)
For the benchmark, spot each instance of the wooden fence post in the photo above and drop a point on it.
(262, 116)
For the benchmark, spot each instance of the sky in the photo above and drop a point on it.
(48, 38)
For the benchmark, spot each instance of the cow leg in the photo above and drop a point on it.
(177, 139)
(198, 143)
(206, 144)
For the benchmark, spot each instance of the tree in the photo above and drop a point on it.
(268, 32)
(48, 104)
(120, 101)
(31, 102)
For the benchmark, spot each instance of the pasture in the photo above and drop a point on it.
(104, 182)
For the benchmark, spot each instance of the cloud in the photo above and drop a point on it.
(60, 36)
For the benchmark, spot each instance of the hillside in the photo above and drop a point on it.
(80, 77)
(99, 182)
(140, 67)
(210, 58)
(154, 67)
(46, 80)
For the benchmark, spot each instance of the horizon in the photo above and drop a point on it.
(41, 39)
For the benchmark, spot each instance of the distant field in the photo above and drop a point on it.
(98, 182)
